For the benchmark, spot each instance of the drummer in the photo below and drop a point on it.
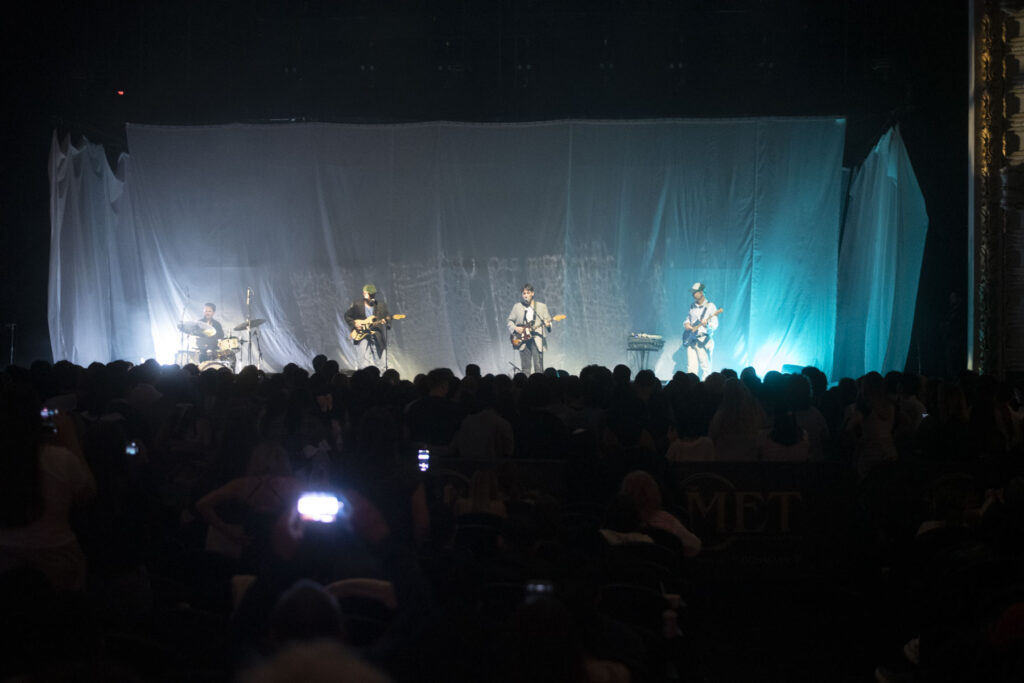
(208, 345)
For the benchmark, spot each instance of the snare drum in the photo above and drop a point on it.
(228, 344)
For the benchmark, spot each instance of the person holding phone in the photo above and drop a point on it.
(242, 512)
(43, 475)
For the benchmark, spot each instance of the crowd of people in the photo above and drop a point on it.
(488, 527)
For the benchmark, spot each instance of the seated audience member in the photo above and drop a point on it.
(692, 443)
(306, 612)
(242, 512)
(484, 496)
(42, 476)
(735, 425)
(808, 417)
(434, 418)
(546, 644)
(318, 661)
(485, 433)
(539, 433)
(645, 492)
(622, 522)
(870, 423)
(786, 441)
(985, 424)
(943, 435)
(912, 409)
(380, 475)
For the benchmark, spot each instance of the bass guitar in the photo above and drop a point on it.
(367, 326)
(518, 339)
(690, 336)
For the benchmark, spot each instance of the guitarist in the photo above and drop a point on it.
(701, 322)
(372, 349)
(530, 319)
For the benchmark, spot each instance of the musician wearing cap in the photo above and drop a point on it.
(369, 321)
(698, 330)
(207, 342)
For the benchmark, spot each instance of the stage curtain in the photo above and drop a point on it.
(97, 304)
(610, 221)
(880, 262)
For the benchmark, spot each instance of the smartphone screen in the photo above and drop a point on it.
(423, 458)
(538, 589)
(319, 507)
(132, 448)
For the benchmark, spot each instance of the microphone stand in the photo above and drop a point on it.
(259, 350)
(11, 327)
(249, 331)
(181, 340)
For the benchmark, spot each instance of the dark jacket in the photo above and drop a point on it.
(357, 311)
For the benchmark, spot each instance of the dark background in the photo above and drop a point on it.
(218, 61)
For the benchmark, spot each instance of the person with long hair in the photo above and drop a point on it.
(642, 488)
(484, 496)
(736, 425)
(870, 423)
(257, 500)
(42, 476)
(786, 441)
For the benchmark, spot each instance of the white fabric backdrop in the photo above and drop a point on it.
(610, 221)
(880, 262)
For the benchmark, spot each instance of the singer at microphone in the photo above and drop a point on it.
(369, 316)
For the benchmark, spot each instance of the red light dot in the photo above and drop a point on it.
(120, 92)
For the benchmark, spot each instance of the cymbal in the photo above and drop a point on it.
(248, 325)
(197, 329)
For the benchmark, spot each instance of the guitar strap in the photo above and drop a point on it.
(707, 330)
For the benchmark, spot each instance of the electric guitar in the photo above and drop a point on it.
(368, 324)
(518, 339)
(690, 336)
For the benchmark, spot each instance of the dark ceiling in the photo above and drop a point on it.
(216, 61)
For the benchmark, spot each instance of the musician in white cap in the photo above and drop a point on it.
(698, 330)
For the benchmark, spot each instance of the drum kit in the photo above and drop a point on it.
(203, 352)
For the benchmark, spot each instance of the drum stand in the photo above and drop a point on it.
(254, 335)
(11, 326)
(181, 357)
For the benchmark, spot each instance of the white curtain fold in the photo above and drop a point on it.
(880, 262)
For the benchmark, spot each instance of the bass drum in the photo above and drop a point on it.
(216, 365)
